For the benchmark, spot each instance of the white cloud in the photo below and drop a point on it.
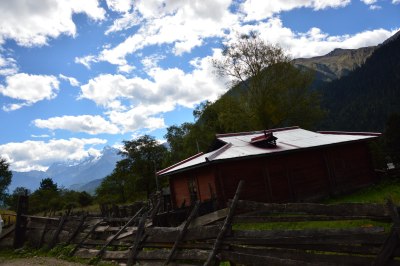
(395, 2)
(29, 89)
(193, 20)
(84, 123)
(86, 60)
(23, 156)
(375, 7)
(151, 62)
(314, 42)
(121, 6)
(127, 21)
(261, 9)
(73, 81)
(135, 103)
(8, 66)
(32, 23)
(369, 2)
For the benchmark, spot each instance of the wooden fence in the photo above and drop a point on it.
(218, 236)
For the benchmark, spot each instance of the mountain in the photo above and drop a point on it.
(70, 174)
(89, 187)
(336, 64)
(365, 98)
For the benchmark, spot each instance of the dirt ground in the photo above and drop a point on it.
(36, 261)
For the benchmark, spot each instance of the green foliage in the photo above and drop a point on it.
(48, 184)
(364, 100)
(135, 174)
(273, 92)
(49, 197)
(5, 179)
(116, 187)
(378, 193)
(12, 200)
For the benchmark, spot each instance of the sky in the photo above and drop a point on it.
(78, 75)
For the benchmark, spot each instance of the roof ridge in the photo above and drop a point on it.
(255, 132)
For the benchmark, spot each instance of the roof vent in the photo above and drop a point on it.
(267, 140)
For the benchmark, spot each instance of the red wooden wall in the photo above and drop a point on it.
(298, 176)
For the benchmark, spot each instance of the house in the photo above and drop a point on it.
(278, 165)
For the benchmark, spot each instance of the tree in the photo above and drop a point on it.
(274, 92)
(145, 156)
(48, 184)
(12, 200)
(119, 186)
(5, 178)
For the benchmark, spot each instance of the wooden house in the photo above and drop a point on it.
(279, 165)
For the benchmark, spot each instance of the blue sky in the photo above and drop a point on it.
(78, 75)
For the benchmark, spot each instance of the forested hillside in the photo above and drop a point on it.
(364, 100)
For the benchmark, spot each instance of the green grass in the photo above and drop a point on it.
(378, 193)
(309, 225)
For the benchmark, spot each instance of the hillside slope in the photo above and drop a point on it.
(364, 99)
(336, 64)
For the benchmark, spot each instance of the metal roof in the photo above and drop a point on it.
(238, 145)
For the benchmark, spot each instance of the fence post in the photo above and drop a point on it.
(21, 221)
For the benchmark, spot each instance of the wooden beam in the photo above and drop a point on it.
(85, 237)
(209, 218)
(53, 241)
(138, 239)
(227, 223)
(183, 231)
(118, 233)
(340, 209)
(77, 229)
(43, 233)
(385, 255)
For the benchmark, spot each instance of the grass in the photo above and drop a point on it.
(378, 193)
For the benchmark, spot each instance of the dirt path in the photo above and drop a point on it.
(36, 261)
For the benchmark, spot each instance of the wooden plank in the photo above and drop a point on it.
(182, 232)
(85, 237)
(21, 221)
(277, 234)
(385, 255)
(77, 229)
(167, 234)
(160, 254)
(250, 259)
(306, 256)
(138, 240)
(109, 241)
(209, 218)
(305, 218)
(297, 260)
(341, 209)
(311, 240)
(53, 241)
(43, 233)
(227, 223)
(7, 231)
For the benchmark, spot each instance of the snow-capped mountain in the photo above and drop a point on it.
(70, 174)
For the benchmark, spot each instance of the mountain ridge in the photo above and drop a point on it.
(70, 174)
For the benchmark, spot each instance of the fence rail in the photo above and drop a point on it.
(219, 236)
